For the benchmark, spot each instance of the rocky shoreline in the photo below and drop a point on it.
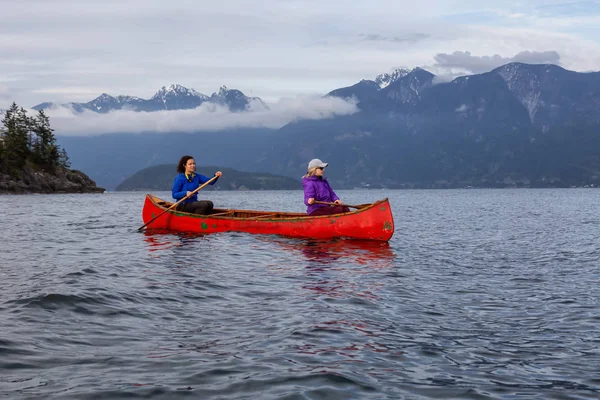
(63, 181)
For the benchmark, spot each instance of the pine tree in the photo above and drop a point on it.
(2, 151)
(45, 151)
(25, 140)
(63, 158)
(15, 137)
(23, 136)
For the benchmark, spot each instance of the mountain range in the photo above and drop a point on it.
(173, 97)
(519, 125)
(547, 93)
(160, 177)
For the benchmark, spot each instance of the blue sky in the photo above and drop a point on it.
(578, 18)
(68, 50)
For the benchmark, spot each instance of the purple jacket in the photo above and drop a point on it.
(319, 189)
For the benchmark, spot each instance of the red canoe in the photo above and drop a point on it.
(370, 221)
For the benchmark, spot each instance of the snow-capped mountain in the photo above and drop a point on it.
(520, 125)
(177, 91)
(236, 100)
(177, 97)
(546, 90)
(104, 103)
(384, 80)
(401, 86)
(172, 97)
(408, 86)
(363, 91)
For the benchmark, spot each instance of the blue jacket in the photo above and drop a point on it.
(318, 189)
(181, 185)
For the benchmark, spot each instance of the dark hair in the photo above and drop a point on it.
(182, 161)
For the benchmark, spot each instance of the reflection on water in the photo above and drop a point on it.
(333, 267)
(334, 277)
(158, 241)
(373, 254)
(336, 266)
(340, 277)
(350, 342)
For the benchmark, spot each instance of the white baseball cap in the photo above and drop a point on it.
(315, 162)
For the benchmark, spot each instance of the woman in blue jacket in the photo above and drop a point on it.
(186, 182)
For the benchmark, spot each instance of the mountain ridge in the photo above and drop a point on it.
(172, 97)
(160, 177)
(524, 125)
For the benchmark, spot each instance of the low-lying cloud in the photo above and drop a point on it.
(206, 117)
(464, 60)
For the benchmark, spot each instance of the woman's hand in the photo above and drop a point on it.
(188, 193)
(311, 200)
(218, 173)
(338, 202)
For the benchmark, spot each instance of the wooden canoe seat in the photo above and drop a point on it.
(228, 212)
(266, 215)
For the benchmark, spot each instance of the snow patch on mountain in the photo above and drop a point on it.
(525, 84)
(385, 79)
(177, 90)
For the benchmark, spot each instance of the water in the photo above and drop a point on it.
(480, 294)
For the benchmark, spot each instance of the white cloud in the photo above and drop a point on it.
(206, 117)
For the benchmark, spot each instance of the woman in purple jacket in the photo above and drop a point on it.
(316, 188)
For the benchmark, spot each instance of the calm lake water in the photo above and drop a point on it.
(480, 294)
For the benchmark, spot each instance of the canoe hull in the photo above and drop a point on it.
(371, 222)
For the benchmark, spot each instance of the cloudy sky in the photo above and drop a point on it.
(74, 50)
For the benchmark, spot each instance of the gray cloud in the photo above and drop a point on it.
(206, 117)
(538, 57)
(4, 92)
(73, 50)
(478, 64)
(7, 95)
(410, 38)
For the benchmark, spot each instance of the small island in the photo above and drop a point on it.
(160, 177)
(32, 162)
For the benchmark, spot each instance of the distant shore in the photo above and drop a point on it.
(30, 181)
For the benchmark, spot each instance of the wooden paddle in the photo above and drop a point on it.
(175, 205)
(333, 204)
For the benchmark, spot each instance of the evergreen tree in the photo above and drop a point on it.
(63, 158)
(23, 136)
(15, 137)
(45, 151)
(2, 166)
(25, 140)
(2, 149)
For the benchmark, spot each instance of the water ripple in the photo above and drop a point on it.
(479, 295)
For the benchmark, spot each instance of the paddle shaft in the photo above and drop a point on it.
(333, 204)
(175, 205)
